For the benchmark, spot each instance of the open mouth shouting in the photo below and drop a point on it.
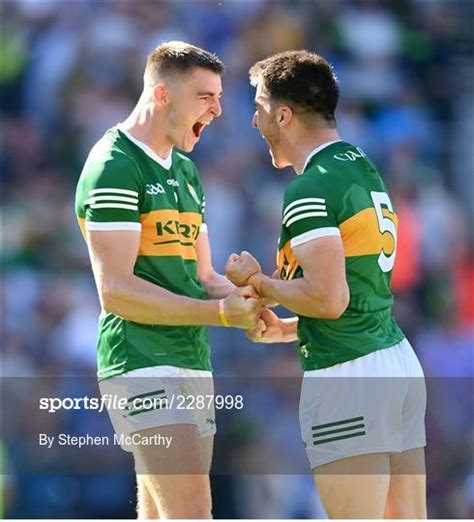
(198, 127)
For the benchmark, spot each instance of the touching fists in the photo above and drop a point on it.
(269, 329)
(242, 308)
(243, 270)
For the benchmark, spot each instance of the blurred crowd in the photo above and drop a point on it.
(71, 69)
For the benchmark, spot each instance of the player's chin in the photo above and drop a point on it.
(277, 163)
(188, 146)
(189, 143)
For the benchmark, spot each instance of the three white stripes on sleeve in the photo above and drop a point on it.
(310, 207)
(306, 208)
(128, 200)
(117, 198)
(112, 198)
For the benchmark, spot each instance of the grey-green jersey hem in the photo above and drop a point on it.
(367, 351)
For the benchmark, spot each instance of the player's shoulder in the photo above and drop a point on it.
(308, 184)
(334, 168)
(110, 156)
(109, 167)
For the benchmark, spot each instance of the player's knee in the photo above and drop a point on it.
(404, 511)
(188, 503)
(198, 512)
(407, 501)
(191, 507)
(198, 504)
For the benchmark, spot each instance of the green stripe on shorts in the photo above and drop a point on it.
(332, 439)
(338, 423)
(340, 430)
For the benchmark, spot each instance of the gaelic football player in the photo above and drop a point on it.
(140, 206)
(363, 396)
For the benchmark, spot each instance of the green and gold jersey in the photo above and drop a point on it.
(124, 185)
(340, 193)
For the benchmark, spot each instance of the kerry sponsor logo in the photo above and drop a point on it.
(170, 227)
(168, 232)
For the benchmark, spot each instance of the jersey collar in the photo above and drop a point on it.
(163, 162)
(315, 151)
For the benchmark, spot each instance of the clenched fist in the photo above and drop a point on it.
(243, 270)
(243, 308)
(269, 329)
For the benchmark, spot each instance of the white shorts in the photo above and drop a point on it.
(373, 404)
(160, 396)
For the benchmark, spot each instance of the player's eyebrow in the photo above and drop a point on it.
(209, 93)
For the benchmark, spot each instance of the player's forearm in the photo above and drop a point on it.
(289, 329)
(304, 299)
(143, 302)
(217, 286)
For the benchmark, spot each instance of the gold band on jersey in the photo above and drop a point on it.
(222, 315)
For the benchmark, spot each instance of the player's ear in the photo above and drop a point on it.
(284, 115)
(160, 94)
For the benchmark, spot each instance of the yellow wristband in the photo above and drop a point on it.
(222, 315)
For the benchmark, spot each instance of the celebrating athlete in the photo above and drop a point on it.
(363, 396)
(140, 206)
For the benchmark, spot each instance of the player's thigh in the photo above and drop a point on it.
(207, 451)
(146, 506)
(414, 408)
(407, 493)
(183, 455)
(181, 496)
(176, 476)
(354, 487)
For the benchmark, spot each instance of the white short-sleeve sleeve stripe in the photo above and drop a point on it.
(112, 191)
(203, 228)
(296, 210)
(114, 205)
(115, 225)
(97, 199)
(315, 234)
(303, 201)
(304, 216)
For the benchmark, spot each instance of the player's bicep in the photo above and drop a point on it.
(322, 257)
(113, 256)
(323, 264)
(204, 256)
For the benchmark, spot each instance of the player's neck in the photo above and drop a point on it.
(144, 125)
(307, 143)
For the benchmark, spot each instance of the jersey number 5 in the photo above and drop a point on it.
(385, 225)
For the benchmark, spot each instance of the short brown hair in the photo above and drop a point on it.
(179, 57)
(300, 78)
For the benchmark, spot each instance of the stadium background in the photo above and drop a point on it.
(71, 69)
